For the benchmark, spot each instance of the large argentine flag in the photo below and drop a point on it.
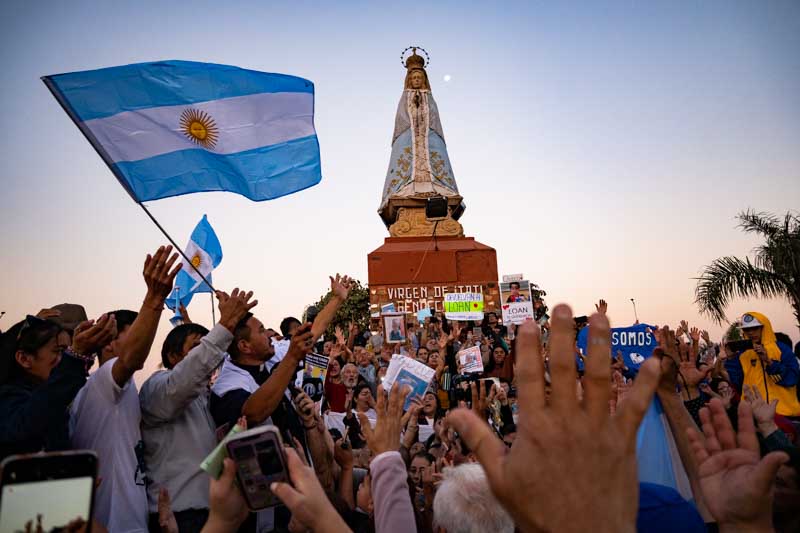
(205, 253)
(177, 127)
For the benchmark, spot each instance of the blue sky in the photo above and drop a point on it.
(603, 150)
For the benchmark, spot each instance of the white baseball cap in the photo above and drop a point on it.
(749, 321)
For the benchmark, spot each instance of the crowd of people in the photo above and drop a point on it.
(544, 439)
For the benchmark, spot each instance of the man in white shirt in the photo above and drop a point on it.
(105, 414)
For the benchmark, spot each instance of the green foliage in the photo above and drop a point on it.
(354, 309)
(774, 272)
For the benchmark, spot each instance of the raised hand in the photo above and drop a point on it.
(725, 399)
(684, 327)
(184, 314)
(340, 286)
(91, 337)
(343, 454)
(385, 436)
(306, 498)
(337, 331)
(480, 398)
(706, 337)
(601, 307)
(227, 508)
(736, 483)
(302, 343)
(763, 412)
(694, 333)
(590, 461)
(305, 408)
(233, 308)
(159, 274)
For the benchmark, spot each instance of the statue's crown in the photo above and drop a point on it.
(415, 61)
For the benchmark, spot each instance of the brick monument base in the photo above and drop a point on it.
(414, 273)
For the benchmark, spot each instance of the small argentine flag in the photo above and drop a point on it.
(178, 127)
(205, 253)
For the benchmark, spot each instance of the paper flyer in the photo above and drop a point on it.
(406, 371)
(470, 359)
(212, 464)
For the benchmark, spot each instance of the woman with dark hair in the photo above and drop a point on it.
(431, 409)
(500, 364)
(363, 402)
(41, 378)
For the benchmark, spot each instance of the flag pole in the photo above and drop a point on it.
(56, 92)
(213, 314)
(180, 250)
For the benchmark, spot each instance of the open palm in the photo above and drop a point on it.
(735, 481)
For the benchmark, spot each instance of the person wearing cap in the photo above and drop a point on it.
(768, 368)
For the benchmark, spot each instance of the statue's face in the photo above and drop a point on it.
(417, 80)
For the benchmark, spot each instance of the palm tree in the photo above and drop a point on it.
(774, 272)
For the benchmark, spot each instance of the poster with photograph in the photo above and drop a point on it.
(408, 372)
(394, 327)
(316, 368)
(470, 359)
(516, 301)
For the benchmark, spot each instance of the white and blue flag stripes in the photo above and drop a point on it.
(177, 127)
(205, 253)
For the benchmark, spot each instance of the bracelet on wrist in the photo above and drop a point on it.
(88, 360)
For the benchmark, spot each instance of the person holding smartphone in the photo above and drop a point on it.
(772, 371)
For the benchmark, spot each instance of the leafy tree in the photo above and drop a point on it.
(774, 271)
(354, 309)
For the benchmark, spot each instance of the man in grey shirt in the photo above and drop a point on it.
(177, 427)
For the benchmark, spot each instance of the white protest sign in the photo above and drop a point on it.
(470, 359)
(513, 277)
(517, 312)
(407, 371)
(463, 306)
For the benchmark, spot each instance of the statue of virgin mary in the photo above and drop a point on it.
(419, 167)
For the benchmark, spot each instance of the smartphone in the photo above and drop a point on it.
(488, 382)
(477, 334)
(47, 492)
(260, 460)
(740, 346)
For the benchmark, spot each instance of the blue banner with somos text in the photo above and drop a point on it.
(635, 342)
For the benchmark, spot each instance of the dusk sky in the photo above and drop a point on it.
(603, 150)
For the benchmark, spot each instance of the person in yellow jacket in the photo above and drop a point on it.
(772, 370)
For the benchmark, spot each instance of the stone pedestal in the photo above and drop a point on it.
(414, 273)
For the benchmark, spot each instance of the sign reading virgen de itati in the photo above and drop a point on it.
(412, 299)
(463, 306)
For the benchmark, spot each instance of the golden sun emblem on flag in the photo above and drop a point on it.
(200, 128)
(196, 261)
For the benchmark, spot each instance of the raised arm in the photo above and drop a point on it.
(166, 394)
(319, 442)
(266, 398)
(158, 276)
(678, 417)
(340, 287)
